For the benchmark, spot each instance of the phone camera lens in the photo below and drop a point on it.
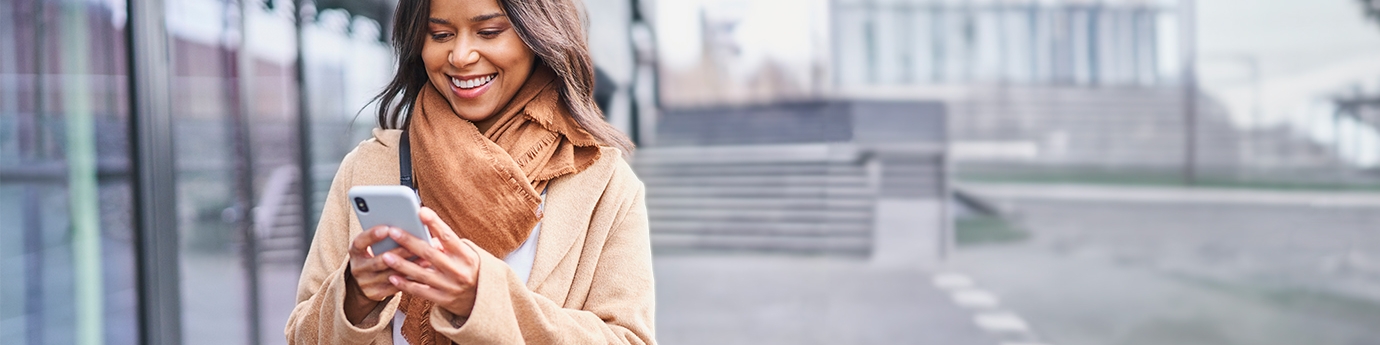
(359, 203)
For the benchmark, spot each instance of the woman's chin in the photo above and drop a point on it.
(474, 114)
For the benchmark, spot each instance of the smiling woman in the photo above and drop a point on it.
(491, 109)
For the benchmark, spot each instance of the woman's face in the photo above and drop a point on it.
(474, 56)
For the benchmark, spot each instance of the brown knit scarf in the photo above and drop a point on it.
(487, 186)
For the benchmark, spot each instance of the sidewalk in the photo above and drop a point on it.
(747, 299)
(1108, 264)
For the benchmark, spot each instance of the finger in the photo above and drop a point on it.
(418, 289)
(368, 266)
(426, 251)
(413, 244)
(415, 272)
(380, 290)
(360, 246)
(402, 252)
(450, 242)
(376, 285)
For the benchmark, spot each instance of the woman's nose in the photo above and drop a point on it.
(464, 54)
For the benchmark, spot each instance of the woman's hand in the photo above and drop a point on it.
(366, 283)
(449, 272)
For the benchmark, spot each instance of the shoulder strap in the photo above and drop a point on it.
(405, 162)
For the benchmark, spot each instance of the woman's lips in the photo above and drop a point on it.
(474, 87)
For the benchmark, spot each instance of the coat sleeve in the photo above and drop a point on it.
(319, 317)
(619, 310)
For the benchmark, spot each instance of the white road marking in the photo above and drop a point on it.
(963, 292)
(975, 299)
(952, 281)
(1001, 322)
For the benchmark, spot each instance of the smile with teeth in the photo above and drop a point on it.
(472, 83)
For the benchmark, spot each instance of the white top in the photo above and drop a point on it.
(521, 259)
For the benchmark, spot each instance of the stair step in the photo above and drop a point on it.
(730, 180)
(849, 246)
(837, 203)
(759, 192)
(776, 215)
(777, 229)
(748, 169)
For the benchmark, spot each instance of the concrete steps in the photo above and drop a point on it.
(783, 199)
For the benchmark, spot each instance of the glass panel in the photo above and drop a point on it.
(347, 63)
(209, 219)
(235, 104)
(238, 151)
(66, 242)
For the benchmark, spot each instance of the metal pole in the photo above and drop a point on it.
(240, 73)
(156, 244)
(304, 154)
(32, 238)
(1188, 46)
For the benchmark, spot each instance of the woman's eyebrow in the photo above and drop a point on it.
(438, 21)
(483, 17)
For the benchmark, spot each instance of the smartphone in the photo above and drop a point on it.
(391, 205)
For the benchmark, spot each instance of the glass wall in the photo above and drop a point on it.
(66, 239)
(900, 42)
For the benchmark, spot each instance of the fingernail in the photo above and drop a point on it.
(388, 259)
(397, 234)
(395, 280)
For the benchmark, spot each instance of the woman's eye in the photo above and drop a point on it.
(490, 33)
(440, 36)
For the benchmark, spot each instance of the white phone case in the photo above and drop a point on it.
(391, 205)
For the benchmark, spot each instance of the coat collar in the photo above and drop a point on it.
(570, 203)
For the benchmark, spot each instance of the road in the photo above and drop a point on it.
(1144, 265)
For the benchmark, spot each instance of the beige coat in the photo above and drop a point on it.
(591, 282)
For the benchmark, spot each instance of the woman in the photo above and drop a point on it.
(539, 226)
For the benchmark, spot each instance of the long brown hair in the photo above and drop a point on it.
(551, 28)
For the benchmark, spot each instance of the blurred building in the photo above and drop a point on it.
(1039, 87)
(1063, 85)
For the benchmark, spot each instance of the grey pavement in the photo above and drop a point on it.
(758, 299)
(1172, 265)
(213, 299)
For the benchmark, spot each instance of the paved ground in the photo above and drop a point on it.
(701, 299)
(1141, 265)
(786, 300)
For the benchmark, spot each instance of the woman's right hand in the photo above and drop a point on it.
(366, 283)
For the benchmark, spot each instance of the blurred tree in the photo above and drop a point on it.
(378, 10)
(1372, 9)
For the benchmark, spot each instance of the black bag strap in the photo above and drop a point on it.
(405, 162)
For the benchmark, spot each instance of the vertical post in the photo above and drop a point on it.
(1337, 138)
(82, 197)
(33, 267)
(304, 154)
(1256, 129)
(155, 194)
(1188, 47)
(241, 75)
(34, 320)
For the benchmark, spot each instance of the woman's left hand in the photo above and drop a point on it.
(447, 272)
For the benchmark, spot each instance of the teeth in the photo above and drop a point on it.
(472, 83)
